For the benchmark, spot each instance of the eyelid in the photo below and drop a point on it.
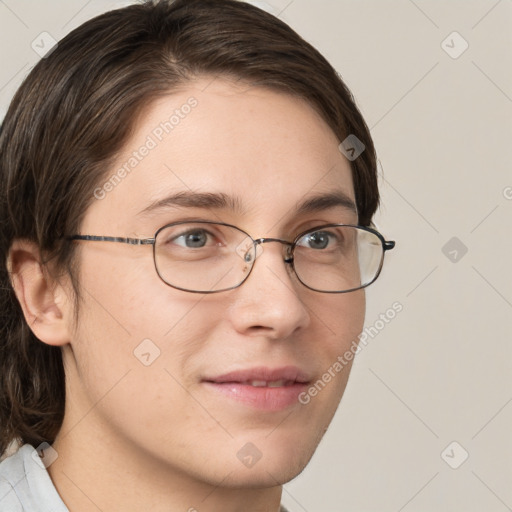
(182, 221)
(329, 230)
(313, 225)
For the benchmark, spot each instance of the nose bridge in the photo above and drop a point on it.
(269, 305)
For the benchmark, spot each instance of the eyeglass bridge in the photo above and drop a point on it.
(289, 257)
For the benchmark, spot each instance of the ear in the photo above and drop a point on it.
(44, 301)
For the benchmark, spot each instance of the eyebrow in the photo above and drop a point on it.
(206, 200)
(322, 202)
(221, 201)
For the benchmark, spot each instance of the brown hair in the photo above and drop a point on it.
(76, 110)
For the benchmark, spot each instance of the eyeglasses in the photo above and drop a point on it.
(210, 257)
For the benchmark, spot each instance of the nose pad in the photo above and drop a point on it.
(289, 255)
(249, 250)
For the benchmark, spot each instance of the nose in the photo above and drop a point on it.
(269, 302)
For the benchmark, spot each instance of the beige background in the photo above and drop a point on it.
(440, 371)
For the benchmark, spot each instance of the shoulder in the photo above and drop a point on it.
(8, 499)
(26, 486)
(13, 480)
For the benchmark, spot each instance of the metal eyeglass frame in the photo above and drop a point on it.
(387, 245)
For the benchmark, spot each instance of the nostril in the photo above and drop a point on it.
(259, 330)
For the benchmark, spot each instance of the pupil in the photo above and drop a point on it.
(196, 239)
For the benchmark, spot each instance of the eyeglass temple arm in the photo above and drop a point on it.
(131, 241)
(388, 245)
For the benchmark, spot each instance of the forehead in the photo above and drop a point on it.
(265, 150)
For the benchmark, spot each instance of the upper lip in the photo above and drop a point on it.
(263, 373)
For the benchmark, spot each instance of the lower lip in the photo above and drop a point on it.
(263, 398)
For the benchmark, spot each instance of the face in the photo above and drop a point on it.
(182, 379)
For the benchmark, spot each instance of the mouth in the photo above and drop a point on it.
(261, 387)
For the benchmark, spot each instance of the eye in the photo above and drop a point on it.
(318, 240)
(195, 239)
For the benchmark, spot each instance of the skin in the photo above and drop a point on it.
(139, 437)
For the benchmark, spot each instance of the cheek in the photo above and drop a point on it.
(124, 294)
(135, 344)
(128, 313)
(342, 318)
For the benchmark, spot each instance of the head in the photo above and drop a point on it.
(223, 107)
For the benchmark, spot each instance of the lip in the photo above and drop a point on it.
(235, 385)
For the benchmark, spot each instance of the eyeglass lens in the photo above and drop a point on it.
(207, 257)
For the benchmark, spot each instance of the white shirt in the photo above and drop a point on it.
(26, 486)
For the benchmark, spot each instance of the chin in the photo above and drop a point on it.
(266, 474)
(272, 460)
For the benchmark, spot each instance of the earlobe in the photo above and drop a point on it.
(42, 299)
